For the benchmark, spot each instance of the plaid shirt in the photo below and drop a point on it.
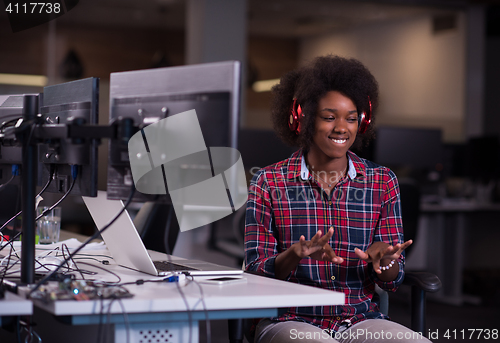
(285, 202)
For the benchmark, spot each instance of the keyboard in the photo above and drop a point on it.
(166, 266)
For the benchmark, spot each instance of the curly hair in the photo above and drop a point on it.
(310, 83)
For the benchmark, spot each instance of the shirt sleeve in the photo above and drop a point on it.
(390, 229)
(261, 246)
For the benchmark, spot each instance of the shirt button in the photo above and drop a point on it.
(332, 277)
(330, 203)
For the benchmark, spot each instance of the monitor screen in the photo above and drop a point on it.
(415, 148)
(482, 158)
(147, 96)
(70, 102)
(11, 110)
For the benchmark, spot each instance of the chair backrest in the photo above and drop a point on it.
(410, 208)
(157, 226)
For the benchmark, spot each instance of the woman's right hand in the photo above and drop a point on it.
(317, 248)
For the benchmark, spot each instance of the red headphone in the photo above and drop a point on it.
(364, 119)
(295, 117)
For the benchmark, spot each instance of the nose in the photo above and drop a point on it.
(340, 126)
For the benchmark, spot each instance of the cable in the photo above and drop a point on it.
(207, 320)
(50, 208)
(15, 172)
(74, 174)
(169, 258)
(101, 312)
(4, 272)
(106, 270)
(5, 123)
(94, 236)
(52, 170)
(125, 318)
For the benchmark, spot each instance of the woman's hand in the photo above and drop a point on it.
(317, 248)
(379, 251)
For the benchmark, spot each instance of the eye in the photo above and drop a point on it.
(329, 118)
(352, 119)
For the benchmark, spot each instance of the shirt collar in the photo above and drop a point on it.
(356, 166)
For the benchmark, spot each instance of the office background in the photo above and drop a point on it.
(436, 63)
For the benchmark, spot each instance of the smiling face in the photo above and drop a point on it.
(335, 129)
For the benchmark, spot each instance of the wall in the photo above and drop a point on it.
(492, 89)
(268, 58)
(421, 74)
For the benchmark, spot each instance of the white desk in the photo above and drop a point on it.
(447, 226)
(13, 305)
(158, 309)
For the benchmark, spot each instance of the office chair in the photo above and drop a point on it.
(420, 282)
(157, 226)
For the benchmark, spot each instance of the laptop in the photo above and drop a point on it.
(126, 247)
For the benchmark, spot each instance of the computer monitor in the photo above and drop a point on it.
(11, 110)
(406, 147)
(260, 148)
(71, 102)
(147, 96)
(482, 158)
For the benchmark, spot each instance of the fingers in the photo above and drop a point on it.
(316, 238)
(337, 260)
(329, 255)
(326, 238)
(302, 241)
(376, 266)
(395, 251)
(406, 244)
(361, 254)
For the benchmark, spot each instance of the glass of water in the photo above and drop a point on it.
(49, 226)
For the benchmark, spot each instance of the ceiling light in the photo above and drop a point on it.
(265, 85)
(23, 80)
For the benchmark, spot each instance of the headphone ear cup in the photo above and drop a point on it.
(293, 121)
(295, 116)
(361, 123)
(365, 118)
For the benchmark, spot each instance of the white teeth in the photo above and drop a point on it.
(339, 141)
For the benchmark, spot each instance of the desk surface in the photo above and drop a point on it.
(14, 305)
(459, 205)
(256, 293)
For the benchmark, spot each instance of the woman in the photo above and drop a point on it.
(326, 217)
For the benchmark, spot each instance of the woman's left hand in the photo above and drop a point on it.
(381, 250)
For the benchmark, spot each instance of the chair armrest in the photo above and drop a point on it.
(425, 281)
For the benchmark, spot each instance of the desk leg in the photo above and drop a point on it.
(446, 258)
(171, 332)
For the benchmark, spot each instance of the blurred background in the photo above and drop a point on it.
(437, 64)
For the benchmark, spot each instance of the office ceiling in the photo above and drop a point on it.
(281, 18)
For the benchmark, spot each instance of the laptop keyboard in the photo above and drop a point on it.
(166, 266)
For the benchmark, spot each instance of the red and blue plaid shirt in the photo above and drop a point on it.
(285, 202)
